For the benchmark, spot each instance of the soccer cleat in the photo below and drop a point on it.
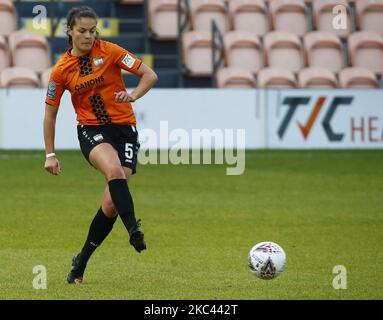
(77, 273)
(137, 238)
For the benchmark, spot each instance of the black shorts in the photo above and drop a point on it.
(123, 138)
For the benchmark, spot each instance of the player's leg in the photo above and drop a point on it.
(105, 158)
(137, 238)
(99, 229)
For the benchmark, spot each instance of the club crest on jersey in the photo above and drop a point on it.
(98, 137)
(98, 61)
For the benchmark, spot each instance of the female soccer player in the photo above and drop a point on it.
(91, 70)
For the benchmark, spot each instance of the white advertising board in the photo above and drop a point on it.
(331, 119)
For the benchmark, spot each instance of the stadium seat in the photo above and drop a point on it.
(289, 15)
(317, 78)
(324, 49)
(283, 50)
(18, 77)
(4, 56)
(204, 11)
(45, 76)
(197, 53)
(163, 19)
(276, 78)
(358, 78)
(369, 15)
(243, 50)
(323, 16)
(8, 20)
(366, 51)
(235, 78)
(29, 50)
(249, 16)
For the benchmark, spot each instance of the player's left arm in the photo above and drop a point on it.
(147, 81)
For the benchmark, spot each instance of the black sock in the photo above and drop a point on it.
(98, 231)
(122, 200)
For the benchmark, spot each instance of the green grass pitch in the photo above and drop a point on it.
(325, 208)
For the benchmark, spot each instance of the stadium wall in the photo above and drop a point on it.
(204, 118)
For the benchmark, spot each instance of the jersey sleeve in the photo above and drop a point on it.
(125, 59)
(55, 88)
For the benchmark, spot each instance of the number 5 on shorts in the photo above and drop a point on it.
(129, 152)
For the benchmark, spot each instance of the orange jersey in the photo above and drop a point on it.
(92, 80)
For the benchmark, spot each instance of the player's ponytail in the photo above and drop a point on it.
(78, 12)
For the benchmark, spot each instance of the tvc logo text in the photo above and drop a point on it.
(294, 102)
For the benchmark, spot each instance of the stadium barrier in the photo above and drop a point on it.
(210, 118)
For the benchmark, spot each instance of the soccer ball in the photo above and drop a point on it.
(267, 260)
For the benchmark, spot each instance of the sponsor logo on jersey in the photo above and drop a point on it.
(89, 83)
(128, 60)
(51, 93)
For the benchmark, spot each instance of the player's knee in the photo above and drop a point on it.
(115, 172)
(108, 208)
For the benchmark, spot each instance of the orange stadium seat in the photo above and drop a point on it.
(8, 20)
(358, 78)
(369, 15)
(235, 78)
(204, 11)
(197, 52)
(29, 49)
(324, 49)
(276, 78)
(18, 77)
(163, 19)
(323, 16)
(45, 76)
(4, 56)
(366, 51)
(243, 50)
(289, 15)
(317, 78)
(283, 50)
(250, 16)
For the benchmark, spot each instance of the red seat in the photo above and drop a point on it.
(283, 50)
(276, 78)
(17, 77)
(369, 15)
(30, 50)
(317, 78)
(243, 50)
(324, 49)
(249, 16)
(289, 15)
(358, 78)
(235, 78)
(8, 18)
(366, 51)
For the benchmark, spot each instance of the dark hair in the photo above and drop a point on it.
(79, 12)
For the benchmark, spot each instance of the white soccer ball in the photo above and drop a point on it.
(267, 260)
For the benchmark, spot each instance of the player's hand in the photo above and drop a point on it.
(124, 96)
(52, 165)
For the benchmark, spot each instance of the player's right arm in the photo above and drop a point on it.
(52, 165)
(52, 103)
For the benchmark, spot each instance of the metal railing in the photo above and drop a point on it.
(216, 63)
